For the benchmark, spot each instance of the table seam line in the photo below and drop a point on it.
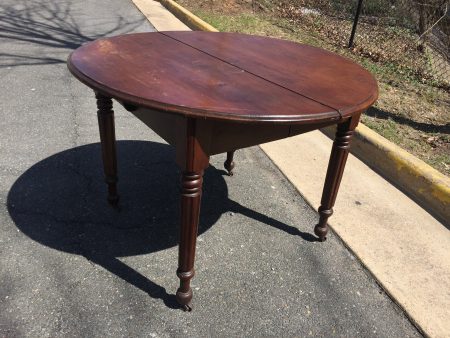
(217, 114)
(256, 75)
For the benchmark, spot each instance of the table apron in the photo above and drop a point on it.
(224, 135)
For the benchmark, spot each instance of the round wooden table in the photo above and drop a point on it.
(208, 93)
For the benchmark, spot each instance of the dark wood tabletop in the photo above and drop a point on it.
(225, 76)
(208, 93)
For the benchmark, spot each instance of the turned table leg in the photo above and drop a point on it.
(191, 192)
(108, 140)
(229, 163)
(338, 158)
(193, 160)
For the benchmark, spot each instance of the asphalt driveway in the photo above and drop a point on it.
(72, 266)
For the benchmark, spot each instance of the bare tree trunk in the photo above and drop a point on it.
(422, 17)
(422, 7)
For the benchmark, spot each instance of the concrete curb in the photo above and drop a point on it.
(424, 184)
(189, 19)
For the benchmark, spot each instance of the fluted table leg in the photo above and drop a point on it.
(105, 115)
(193, 160)
(191, 192)
(338, 158)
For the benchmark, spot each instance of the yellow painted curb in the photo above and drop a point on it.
(424, 184)
(189, 19)
(427, 186)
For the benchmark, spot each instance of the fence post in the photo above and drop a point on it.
(355, 23)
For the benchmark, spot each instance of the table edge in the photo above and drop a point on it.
(334, 115)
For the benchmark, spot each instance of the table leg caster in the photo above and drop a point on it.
(113, 200)
(184, 299)
(229, 163)
(187, 308)
(321, 229)
(321, 232)
(113, 196)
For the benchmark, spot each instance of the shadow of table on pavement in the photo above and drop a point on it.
(61, 202)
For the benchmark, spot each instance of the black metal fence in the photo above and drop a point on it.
(410, 36)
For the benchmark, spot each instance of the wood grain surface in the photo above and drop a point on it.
(226, 76)
(312, 72)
